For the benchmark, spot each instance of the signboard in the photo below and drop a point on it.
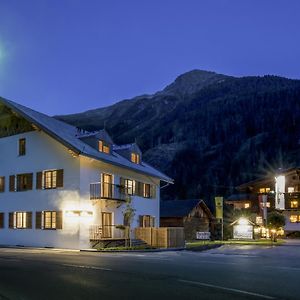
(243, 232)
(279, 192)
(202, 235)
(219, 207)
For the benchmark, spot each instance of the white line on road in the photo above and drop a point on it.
(87, 267)
(226, 289)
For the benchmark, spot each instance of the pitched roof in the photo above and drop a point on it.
(181, 208)
(67, 135)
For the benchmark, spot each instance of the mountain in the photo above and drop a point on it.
(208, 131)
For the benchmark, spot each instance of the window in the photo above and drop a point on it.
(264, 190)
(24, 182)
(294, 218)
(294, 204)
(291, 189)
(2, 184)
(135, 158)
(48, 220)
(20, 220)
(129, 186)
(147, 221)
(50, 179)
(146, 192)
(22, 147)
(103, 147)
(247, 205)
(259, 220)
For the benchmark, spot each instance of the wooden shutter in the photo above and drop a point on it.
(29, 219)
(11, 220)
(152, 221)
(38, 220)
(19, 185)
(12, 183)
(29, 181)
(1, 220)
(153, 191)
(59, 219)
(141, 221)
(2, 184)
(139, 188)
(122, 185)
(39, 178)
(60, 178)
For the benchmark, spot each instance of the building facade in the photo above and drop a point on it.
(64, 187)
(279, 192)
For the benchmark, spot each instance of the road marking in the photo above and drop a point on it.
(283, 268)
(227, 289)
(86, 267)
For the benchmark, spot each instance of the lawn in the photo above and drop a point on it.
(235, 242)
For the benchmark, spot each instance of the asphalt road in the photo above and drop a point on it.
(229, 272)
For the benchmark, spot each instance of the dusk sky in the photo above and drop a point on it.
(61, 57)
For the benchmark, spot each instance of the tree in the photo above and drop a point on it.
(275, 221)
(128, 213)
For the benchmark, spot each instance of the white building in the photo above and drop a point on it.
(62, 187)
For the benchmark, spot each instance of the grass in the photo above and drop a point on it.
(235, 242)
(142, 247)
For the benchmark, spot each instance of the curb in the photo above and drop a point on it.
(133, 251)
(204, 247)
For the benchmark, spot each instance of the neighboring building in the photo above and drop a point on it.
(193, 215)
(279, 191)
(61, 186)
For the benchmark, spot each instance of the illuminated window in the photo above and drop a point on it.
(50, 179)
(146, 192)
(259, 220)
(264, 190)
(20, 220)
(247, 205)
(22, 147)
(2, 184)
(49, 220)
(147, 221)
(135, 158)
(130, 186)
(103, 147)
(294, 218)
(291, 189)
(294, 204)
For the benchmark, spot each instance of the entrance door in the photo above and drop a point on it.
(106, 225)
(106, 191)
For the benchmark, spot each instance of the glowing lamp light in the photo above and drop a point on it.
(78, 213)
(243, 221)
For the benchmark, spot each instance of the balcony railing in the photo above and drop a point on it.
(107, 191)
(107, 232)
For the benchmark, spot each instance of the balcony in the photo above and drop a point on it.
(107, 191)
(108, 232)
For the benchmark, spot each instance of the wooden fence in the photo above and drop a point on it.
(163, 237)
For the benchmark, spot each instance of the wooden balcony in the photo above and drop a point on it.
(107, 232)
(107, 191)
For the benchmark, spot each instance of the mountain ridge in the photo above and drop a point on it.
(213, 122)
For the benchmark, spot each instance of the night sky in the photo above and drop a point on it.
(61, 57)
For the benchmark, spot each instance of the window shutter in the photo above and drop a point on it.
(11, 220)
(29, 219)
(39, 178)
(1, 220)
(60, 178)
(153, 191)
(2, 184)
(152, 221)
(59, 219)
(141, 218)
(122, 184)
(12, 183)
(38, 220)
(29, 178)
(139, 186)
